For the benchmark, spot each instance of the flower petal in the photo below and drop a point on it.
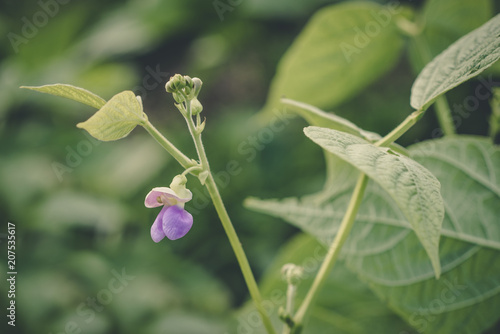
(165, 196)
(157, 233)
(176, 222)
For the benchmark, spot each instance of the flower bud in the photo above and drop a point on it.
(196, 106)
(197, 86)
(178, 97)
(175, 84)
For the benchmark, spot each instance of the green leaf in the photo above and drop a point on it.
(446, 21)
(344, 306)
(464, 59)
(415, 190)
(342, 49)
(117, 118)
(71, 92)
(385, 253)
(318, 117)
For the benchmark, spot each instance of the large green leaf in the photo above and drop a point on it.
(71, 92)
(117, 118)
(344, 306)
(342, 49)
(384, 252)
(445, 22)
(318, 117)
(414, 189)
(464, 59)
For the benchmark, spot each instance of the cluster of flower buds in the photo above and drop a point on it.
(185, 89)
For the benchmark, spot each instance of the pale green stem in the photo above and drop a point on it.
(346, 225)
(228, 226)
(290, 298)
(443, 113)
(192, 169)
(168, 146)
(400, 129)
(333, 251)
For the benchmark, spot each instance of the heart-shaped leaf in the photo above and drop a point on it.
(117, 118)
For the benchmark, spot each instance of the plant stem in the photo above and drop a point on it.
(290, 297)
(239, 252)
(400, 129)
(443, 112)
(168, 146)
(334, 250)
(228, 226)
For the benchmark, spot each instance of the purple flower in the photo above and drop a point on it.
(173, 221)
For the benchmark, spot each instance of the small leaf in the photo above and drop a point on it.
(415, 190)
(71, 92)
(117, 118)
(464, 59)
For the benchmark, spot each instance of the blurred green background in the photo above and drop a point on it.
(78, 204)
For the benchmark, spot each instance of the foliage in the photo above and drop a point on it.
(421, 254)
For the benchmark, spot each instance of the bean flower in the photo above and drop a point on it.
(173, 221)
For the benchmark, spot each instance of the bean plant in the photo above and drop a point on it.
(419, 224)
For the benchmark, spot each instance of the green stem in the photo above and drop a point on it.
(168, 146)
(290, 298)
(228, 226)
(400, 129)
(239, 252)
(443, 112)
(333, 251)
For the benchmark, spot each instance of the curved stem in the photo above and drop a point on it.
(239, 252)
(333, 251)
(228, 226)
(168, 146)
